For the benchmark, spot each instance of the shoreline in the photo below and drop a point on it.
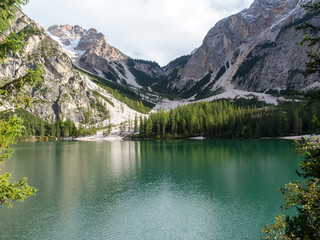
(125, 135)
(119, 136)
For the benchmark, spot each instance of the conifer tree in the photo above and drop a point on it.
(42, 129)
(141, 126)
(58, 133)
(135, 123)
(11, 91)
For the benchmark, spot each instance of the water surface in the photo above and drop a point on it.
(212, 189)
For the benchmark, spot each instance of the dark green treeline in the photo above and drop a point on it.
(227, 119)
(34, 126)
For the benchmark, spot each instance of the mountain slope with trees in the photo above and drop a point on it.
(228, 119)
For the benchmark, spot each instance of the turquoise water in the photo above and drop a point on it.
(188, 189)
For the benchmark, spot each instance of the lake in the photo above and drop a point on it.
(179, 189)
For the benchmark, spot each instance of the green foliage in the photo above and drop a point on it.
(101, 108)
(196, 88)
(310, 166)
(220, 73)
(162, 85)
(246, 66)
(97, 94)
(275, 231)
(228, 119)
(8, 9)
(142, 78)
(14, 191)
(111, 74)
(12, 44)
(11, 91)
(315, 124)
(311, 38)
(13, 88)
(9, 131)
(304, 196)
(153, 64)
(123, 94)
(32, 126)
(11, 191)
(135, 124)
(120, 68)
(28, 120)
(30, 31)
(49, 48)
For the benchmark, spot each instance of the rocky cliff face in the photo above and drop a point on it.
(254, 50)
(65, 93)
(90, 51)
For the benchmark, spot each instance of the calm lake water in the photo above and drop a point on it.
(188, 189)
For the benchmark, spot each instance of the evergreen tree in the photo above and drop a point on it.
(26, 133)
(42, 129)
(109, 128)
(315, 124)
(53, 130)
(58, 133)
(29, 129)
(129, 127)
(135, 123)
(13, 128)
(141, 126)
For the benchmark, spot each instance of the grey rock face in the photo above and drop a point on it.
(90, 51)
(276, 66)
(254, 50)
(63, 93)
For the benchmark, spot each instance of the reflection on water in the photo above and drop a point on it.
(214, 189)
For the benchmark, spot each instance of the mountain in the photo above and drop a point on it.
(90, 51)
(254, 50)
(89, 81)
(66, 92)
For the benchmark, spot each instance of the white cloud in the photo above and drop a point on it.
(158, 30)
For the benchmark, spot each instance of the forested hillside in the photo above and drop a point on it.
(231, 119)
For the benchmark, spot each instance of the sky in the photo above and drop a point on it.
(156, 30)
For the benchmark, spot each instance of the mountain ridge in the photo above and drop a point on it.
(250, 53)
(65, 93)
(231, 56)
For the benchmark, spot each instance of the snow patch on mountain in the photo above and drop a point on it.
(69, 49)
(229, 94)
(120, 112)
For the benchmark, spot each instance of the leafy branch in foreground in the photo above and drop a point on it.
(12, 92)
(8, 9)
(9, 131)
(11, 45)
(304, 196)
(14, 191)
(11, 191)
(13, 88)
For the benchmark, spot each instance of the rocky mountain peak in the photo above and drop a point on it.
(232, 41)
(67, 33)
(90, 51)
(233, 55)
(81, 43)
